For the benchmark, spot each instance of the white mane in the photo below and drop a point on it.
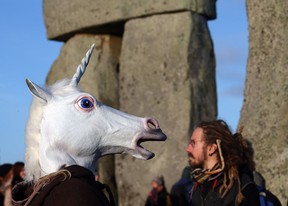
(33, 133)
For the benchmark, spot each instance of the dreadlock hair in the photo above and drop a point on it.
(233, 148)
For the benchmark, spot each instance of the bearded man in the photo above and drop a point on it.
(221, 167)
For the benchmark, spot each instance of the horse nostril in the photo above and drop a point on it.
(152, 123)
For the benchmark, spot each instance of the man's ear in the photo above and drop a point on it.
(212, 149)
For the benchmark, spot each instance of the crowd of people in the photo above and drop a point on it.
(10, 175)
(221, 172)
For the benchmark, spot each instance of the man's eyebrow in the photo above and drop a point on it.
(196, 139)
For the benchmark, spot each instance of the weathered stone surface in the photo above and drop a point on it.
(264, 113)
(100, 80)
(167, 71)
(64, 18)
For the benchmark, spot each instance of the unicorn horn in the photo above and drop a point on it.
(82, 67)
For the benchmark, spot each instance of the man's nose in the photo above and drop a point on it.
(188, 148)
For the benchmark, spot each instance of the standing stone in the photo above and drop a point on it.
(167, 71)
(264, 113)
(100, 80)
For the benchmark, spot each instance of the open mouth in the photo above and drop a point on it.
(143, 153)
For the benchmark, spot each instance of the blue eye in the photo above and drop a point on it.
(86, 103)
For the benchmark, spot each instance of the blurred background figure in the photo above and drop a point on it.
(180, 192)
(97, 176)
(10, 175)
(6, 175)
(158, 196)
(18, 173)
(267, 198)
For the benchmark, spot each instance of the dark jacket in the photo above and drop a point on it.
(208, 193)
(80, 189)
(1, 199)
(180, 192)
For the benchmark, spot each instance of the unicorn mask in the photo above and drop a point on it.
(67, 127)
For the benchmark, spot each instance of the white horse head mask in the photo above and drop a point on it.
(68, 127)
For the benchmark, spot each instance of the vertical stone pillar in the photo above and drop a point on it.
(264, 112)
(167, 71)
(100, 80)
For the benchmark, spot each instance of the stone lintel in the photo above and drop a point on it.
(65, 18)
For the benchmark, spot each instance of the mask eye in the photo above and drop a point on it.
(86, 103)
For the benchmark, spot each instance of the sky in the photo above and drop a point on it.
(25, 52)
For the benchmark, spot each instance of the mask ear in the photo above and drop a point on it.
(38, 91)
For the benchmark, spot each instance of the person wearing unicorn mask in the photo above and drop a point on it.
(68, 130)
(221, 167)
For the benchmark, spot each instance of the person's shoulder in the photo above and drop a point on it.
(76, 191)
(248, 186)
(80, 186)
(249, 190)
(246, 179)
